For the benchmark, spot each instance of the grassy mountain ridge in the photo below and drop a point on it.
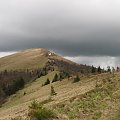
(38, 58)
(26, 59)
(34, 67)
(28, 65)
(31, 59)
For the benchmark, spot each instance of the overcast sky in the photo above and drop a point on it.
(86, 31)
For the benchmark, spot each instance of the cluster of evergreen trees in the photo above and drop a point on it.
(12, 81)
(96, 70)
(57, 77)
(13, 87)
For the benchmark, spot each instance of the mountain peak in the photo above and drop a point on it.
(36, 58)
(35, 50)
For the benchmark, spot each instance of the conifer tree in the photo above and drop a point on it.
(47, 82)
(52, 91)
(76, 79)
(93, 69)
(108, 69)
(55, 78)
(99, 70)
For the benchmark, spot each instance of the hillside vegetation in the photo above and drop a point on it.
(41, 85)
(94, 97)
(28, 65)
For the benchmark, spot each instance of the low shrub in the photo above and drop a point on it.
(38, 112)
(76, 79)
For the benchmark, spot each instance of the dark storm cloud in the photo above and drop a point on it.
(69, 27)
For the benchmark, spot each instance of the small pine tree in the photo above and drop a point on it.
(76, 79)
(108, 69)
(24, 93)
(99, 70)
(118, 68)
(61, 77)
(47, 82)
(38, 112)
(55, 78)
(53, 91)
(38, 76)
(93, 69)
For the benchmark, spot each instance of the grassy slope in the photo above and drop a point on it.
(65, 90)
(31, 58)
(72, 95)
(102, 103)
(32, 91)
(70, 98)
(28, 59)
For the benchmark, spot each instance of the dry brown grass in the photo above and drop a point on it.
(28, 59)
(67, 93)
(65, 90)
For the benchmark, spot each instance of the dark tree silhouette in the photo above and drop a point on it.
(55, 78)
(99, 70)
(93, 69)
(47, 82)
(53, 91)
